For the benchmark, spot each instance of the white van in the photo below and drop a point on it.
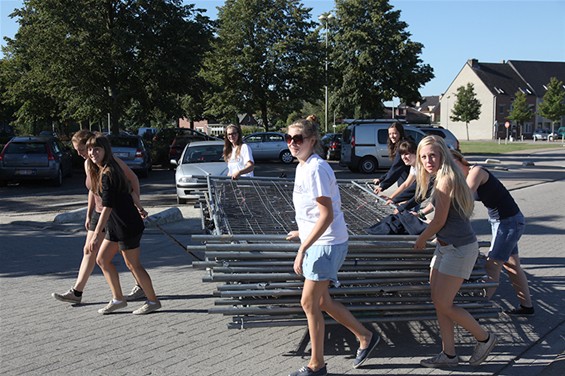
(364, 144)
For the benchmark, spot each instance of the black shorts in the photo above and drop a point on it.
(125, 244)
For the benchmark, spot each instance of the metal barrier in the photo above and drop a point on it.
(382, 279)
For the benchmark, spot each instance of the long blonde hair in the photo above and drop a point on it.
(448, 175)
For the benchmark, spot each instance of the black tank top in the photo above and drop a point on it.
(496, 198)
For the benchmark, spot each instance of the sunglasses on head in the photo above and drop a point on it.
(297, 138)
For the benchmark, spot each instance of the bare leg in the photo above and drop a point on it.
(107, 252)
(310, 301)
(519, 280)
(493, 269)
(131, 257)
(342, 315)
(86, 265)
(444, 287)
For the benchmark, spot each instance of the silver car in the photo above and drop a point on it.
(269, 146)
(35, 158)
(198, 160)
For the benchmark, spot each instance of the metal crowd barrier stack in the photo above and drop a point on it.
(382, 279)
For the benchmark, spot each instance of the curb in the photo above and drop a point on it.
(168, 215)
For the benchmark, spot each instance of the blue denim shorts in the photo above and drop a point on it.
(322, 262)
(505, 236)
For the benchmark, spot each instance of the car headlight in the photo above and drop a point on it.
(187, 179)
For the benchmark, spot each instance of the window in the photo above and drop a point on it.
(501, 108)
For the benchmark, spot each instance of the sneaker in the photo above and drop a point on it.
(111, 307)
(482, 350)
(68, 297)
(307, 371)
(522, 311)
(147, 308)
(363, 354)
(135, 294)
(439, 361)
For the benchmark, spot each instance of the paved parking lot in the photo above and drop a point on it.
(39, 335)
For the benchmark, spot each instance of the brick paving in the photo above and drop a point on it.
(41, 336)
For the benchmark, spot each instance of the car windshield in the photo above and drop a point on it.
(125, 142)
(204, 153)
(26, 148)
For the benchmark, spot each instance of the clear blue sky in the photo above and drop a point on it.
(452, 31)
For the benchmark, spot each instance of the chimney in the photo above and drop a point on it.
(473, 63)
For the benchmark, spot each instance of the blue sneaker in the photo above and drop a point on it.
(363, 354)
(306, 371)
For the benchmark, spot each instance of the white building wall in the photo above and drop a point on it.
(481, 129)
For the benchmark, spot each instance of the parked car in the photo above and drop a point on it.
(450, 139)
(35, 158)
(364, 145)
(331, 143)
(560, 133)
(166, 146)
(269, 146)
(199, 159)
(543, 135)
(133, 151)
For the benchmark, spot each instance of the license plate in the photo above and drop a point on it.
(121, 155)
(25, 172)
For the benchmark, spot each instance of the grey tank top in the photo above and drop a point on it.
(457, 229)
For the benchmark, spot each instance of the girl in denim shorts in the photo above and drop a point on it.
(323, 246)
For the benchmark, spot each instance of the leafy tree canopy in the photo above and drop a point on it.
(552, 106)
(265, 59)
(521, 110)
(373, 59)
(82, 59)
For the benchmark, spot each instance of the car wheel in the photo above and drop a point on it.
(286, 157)
(58, 180)
(368, 165)
(181, 201)
(550, 138)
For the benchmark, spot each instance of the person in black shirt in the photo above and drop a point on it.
(121, 217)
(398, 172)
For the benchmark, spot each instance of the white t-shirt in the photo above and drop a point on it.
(236, 164)
(315, 178)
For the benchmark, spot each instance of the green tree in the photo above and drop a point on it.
(265, 59)
(467, 107)
(373, 59)
(84, 59)
(521, 110)
(552, 106)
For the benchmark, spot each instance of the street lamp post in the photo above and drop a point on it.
(325, 18)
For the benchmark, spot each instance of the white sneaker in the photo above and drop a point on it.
(147, 308)
(482, 350)
(111, 307)
(68, 297)
(440, 360)
(136, 293)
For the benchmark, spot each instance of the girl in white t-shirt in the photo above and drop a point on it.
(237, 154)
(323, 246)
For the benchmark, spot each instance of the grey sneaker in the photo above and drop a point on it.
(68, 297)
(439, 361)
(135, 294)
(147, 308)
(482, 350)
(111, 307)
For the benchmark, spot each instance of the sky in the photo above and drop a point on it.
(452, 31)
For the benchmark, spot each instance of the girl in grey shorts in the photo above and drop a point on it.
(456, 252)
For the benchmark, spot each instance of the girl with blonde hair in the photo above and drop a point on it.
(456, 249)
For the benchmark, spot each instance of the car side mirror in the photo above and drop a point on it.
(174, 162)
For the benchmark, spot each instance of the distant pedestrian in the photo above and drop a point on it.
(323, 246)
(507, 225)
(456, 251)
(94, 208)
(121, 218)
(237, 154)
